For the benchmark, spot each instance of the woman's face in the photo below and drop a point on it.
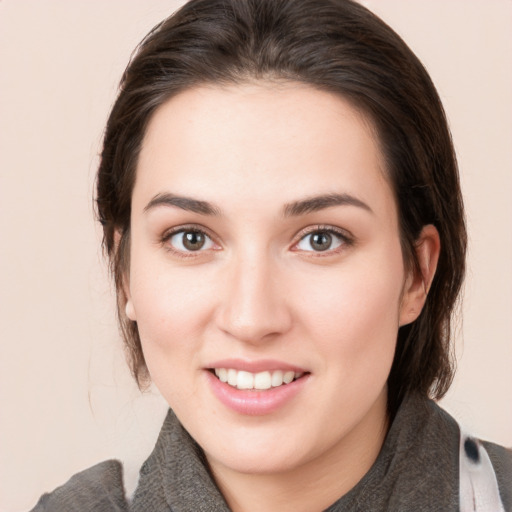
(265, 247)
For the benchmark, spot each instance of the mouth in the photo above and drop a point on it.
(261, 381)
(256, 388)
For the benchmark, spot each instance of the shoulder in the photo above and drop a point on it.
(485, 469)
(478, 472)
(486, 466)
(501, 459)
(99, 489)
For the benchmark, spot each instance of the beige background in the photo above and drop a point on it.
(66, 398)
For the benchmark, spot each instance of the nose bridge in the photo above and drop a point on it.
(254, 305)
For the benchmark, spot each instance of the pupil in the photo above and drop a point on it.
(321, 241)
(193, 240)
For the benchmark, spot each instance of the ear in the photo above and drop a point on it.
(417, 283)
(129, 309)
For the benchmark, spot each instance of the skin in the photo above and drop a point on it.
(258, 289)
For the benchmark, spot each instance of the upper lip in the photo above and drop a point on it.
(257, 366)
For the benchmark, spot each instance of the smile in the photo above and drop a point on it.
(260, 381)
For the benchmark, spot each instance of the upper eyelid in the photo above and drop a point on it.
(165, 238)
(187, 227)
(343, 233)
(346, 238)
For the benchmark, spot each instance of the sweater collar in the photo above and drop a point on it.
(417, 465)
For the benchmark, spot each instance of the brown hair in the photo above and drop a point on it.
(333, 45)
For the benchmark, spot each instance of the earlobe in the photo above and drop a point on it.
(417, 284)
(130, 310)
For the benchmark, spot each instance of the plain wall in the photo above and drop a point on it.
(67, 400)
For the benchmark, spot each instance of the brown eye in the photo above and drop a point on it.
(190, 241)
(320, 241)
(193, 240)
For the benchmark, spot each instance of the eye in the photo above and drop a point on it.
(321, 240)
(190, 240)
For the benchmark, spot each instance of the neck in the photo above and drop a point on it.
(317, 483)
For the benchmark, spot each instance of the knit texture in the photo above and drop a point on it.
(416, 470)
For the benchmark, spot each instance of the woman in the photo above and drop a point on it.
(282, 211)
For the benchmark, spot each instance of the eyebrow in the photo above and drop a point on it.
(316, 203)
(294, 209)
(185, 203)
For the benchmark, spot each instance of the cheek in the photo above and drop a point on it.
(171, 310)
(354, 312)
(172, 307)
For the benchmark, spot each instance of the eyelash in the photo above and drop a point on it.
(165, 240)
(344, 238)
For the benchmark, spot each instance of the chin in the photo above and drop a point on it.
(267, 450)
(257, 463)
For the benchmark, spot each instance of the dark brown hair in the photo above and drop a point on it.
(332, 45)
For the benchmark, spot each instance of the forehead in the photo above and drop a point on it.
(256, 139)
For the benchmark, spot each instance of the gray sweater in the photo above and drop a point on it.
(416, 470)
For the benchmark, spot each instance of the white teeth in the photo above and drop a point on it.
(222, 373)
(260, 381)
(232, 377)
(288, 377)
(244, 380)
(277, 378)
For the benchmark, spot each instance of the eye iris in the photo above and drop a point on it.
(193, 240)
(321, 241)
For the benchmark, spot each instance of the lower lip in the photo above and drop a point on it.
(255, 403)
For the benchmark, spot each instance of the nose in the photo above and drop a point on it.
(254, 307)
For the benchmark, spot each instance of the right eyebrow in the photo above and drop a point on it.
(185, 203)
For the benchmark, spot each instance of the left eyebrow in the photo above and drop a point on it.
(316, 203)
